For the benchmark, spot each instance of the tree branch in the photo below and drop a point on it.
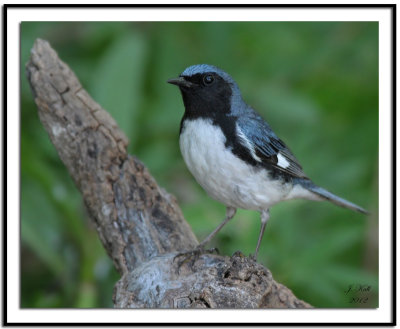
(140, 225)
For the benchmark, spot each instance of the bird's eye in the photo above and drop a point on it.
(208, 79)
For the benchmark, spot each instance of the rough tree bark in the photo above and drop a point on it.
(140, 225)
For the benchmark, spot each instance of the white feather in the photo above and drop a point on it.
(282, 162)
(299, 192)
(247, 143)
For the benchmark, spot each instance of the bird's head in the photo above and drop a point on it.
(206, 89)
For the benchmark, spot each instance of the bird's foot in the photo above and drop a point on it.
(239, 254)
(253, 258)
(191, 256)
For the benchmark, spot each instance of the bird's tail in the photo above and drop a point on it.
(331, 197)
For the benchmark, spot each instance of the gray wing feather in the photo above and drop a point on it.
(266, 144)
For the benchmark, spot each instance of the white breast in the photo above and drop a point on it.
(224, 176)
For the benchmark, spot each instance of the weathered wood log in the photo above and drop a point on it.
(140, 225)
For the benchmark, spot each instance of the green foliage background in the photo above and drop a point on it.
(317, 85)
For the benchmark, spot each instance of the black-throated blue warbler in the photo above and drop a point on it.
(233, 153)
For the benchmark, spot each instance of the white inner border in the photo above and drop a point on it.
(16, 15)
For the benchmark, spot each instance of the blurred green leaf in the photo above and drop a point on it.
(39, 229)
(118, 80)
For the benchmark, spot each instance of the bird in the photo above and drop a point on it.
(233, 153)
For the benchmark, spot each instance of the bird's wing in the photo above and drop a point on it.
(264, 146)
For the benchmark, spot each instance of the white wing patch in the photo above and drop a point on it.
(282, 162)
(247, 143)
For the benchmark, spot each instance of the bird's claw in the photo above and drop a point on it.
(253, 257)
(211, 251)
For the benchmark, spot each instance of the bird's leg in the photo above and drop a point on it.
(264, 219)
(230, 212)
(191, 256)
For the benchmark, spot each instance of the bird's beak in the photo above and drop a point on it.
(180, 82)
